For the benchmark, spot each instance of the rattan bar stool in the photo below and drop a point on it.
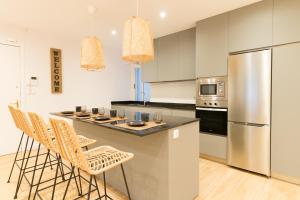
(16, 122)
(29, 130)
(93, 162)
(46, 138)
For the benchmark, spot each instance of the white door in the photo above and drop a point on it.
(10, 93)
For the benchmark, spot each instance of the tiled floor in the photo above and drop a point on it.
(217, 182)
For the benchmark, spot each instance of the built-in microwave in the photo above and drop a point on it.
(211, 92)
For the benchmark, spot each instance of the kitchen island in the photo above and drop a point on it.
(166, 161)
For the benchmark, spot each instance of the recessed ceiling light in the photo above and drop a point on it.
(163, 14)
(114, 32)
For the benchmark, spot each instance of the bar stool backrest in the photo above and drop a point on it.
(25, 125)
(14, 115)
(69, 145)
(41, 130)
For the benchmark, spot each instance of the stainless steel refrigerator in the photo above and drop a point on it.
(249, 104)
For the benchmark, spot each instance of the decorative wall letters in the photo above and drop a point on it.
(56, 70)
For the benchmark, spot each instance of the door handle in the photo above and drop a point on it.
(212, 109)
(17, 104)
(248, 124)
(257, 125)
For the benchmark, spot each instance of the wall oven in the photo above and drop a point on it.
(212, 120)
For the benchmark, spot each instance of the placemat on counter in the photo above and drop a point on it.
(107, 121)
(140, 128)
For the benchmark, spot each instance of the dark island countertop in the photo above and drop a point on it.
(180, 106)
(170, 122)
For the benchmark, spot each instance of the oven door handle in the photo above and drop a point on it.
(212, 109)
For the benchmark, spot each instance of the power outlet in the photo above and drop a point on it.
(175, 134)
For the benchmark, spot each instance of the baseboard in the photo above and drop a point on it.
(213, 158)
(282, 177)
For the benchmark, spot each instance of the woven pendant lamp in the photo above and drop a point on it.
(137, 40)
(91, 54)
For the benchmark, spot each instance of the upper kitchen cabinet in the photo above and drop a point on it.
(187, 54)
(174, 58)
(212, 46)
(250, 27)
(286, 26)
(168, 58)
(150, 69)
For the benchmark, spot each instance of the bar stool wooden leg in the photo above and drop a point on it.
(42, 172)
(15, 160)
(33, 174)
(128, 193)
(20, 173)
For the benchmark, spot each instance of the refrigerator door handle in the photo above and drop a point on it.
(249, 124)
(257, 125)
(240, 123)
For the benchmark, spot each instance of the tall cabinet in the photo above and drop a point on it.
(285, 146)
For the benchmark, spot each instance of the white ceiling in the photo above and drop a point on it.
(71, 17)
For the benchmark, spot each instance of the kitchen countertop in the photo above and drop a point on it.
(180, 106)
(171, 122)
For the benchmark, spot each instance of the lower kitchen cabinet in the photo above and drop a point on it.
(285, 148)
(213, 147)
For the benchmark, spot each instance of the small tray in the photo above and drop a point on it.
(83, 115)
(101, 118)
(136, 123)
(67, 112)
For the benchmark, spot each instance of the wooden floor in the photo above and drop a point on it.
(220, 182)
(217, 182)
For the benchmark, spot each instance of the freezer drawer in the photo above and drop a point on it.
(249, 147)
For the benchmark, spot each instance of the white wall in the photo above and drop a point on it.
(80, 87)
(177, 92)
